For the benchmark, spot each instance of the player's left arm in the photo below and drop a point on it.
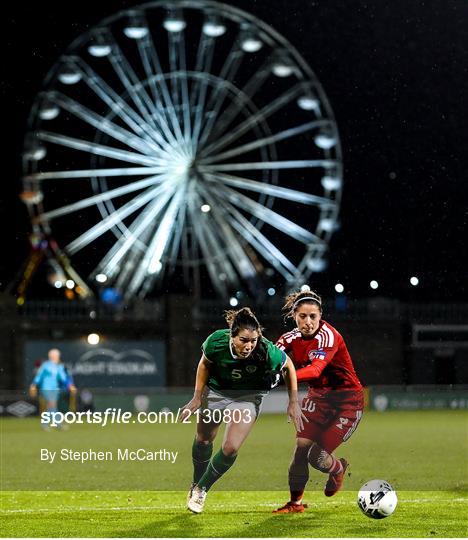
(294, 410)
(315, 369)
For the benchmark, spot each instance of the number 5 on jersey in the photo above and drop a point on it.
(236, 374)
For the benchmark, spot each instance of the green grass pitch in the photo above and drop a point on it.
(423, 454)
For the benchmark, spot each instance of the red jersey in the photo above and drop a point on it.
(323, 360)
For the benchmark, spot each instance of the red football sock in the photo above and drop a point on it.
(336, 466)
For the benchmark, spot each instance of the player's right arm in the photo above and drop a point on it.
(203, 374)
(36, 382)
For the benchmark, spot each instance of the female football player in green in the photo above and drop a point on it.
(238, 368)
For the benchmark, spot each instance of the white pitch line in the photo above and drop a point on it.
(213, 505)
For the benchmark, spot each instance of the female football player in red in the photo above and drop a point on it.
(334, 402)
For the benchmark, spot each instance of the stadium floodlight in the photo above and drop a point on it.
(305, 288)
(339, 288)
(414, 281)
(374, 284)
(271, 291)
(233, 301)
(93, 339)
(58, 284)
(70, 284)
(205, 208)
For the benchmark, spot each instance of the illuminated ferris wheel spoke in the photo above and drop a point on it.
(103, 124)
(258, 241)
(269, 216)
(89, 173)
(100, 228)
(283, 135)
(236, 107)
(234, 248)
(96, 149)
(152, 66)
(185, 95)
(141, 227)
(213, 250)
(91, 201)
(251, 121)
(174, 39)
(203, 67)
(217, 98)
(188, 135)
(268, 165)
(268, 189)
(144, 103)
(151, 264)
(120, 107)
(129, 81)
(203, 64)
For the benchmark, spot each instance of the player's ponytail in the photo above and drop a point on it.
(294, 300)
(242, 318)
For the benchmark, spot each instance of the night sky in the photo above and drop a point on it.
(396, 76)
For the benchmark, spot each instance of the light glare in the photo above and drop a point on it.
(93, 339)
(339, 288)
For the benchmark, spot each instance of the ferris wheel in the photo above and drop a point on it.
(182, 137)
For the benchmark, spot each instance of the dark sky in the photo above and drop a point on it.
(396, 77)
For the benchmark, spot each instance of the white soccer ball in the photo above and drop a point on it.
(377, 499)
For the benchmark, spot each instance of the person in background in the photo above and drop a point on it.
(50, 378)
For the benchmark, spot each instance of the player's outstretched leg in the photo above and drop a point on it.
(298, 477)
(219, 465)
(196, 500)
(201, 454)
(321, 460)
(335, 480)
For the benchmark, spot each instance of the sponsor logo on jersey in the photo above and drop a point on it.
(251, 369)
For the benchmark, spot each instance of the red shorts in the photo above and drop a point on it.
(332, 419)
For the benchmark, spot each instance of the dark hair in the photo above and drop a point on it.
(294, 299)
(242, 318)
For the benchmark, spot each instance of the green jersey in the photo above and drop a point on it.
(259, 372)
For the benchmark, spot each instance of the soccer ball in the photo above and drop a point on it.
(377, 499)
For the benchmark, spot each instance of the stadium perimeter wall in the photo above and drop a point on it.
(378, 337)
